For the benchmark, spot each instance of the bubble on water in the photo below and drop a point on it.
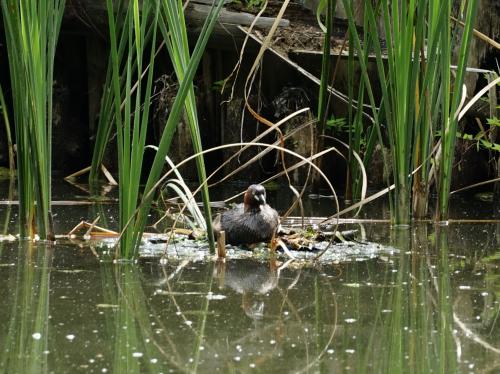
(36, 336)
(70, 337)
(211, 296)
(237, 358)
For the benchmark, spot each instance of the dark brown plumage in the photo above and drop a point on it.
(251, 222)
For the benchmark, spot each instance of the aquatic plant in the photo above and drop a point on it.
(26, 339)
(325, 61)
(181, 189)
(131, 116)
(131, 33)
(173, 28)
(450, 105)
(8, 134)
(32, 30)
(133, 312)
(414, 77)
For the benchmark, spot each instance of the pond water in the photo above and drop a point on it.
(427, 301)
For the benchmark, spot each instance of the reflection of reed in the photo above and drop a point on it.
(28, 328)
(137, 347)
(268, 295)
(8, 210)
(413, 319)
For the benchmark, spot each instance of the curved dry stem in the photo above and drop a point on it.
(266, 132)
(236, 68)
(494, 180)
(148, 194)
(251, 75)
(477, 97)
(364, 184)
(298, 200)
(378, 194)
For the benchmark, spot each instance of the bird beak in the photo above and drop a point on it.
(261, 199)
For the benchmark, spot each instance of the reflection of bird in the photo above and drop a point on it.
(251, 280)
(251, 222)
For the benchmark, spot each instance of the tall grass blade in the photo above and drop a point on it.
(415, 83)
(325, 65)
(32, 30)
(106, 112)
(172, 121)
(450, 105)
(174, 32)
(8, 134)
(131, 115)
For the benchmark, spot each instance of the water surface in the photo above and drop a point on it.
(431, 307)
(424, 300)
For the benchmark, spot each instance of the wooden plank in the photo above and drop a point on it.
(197, 13)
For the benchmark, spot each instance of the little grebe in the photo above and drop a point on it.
(251, 222)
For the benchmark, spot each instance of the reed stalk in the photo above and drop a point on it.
(32, 30)
(132, 29)
(173, 27)
(106, 113)
(328, 6)
(325, 64)
(132, 115)
(8, 134)
(414, 79)
(450, 102)
(357, 133)
(172, 121)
